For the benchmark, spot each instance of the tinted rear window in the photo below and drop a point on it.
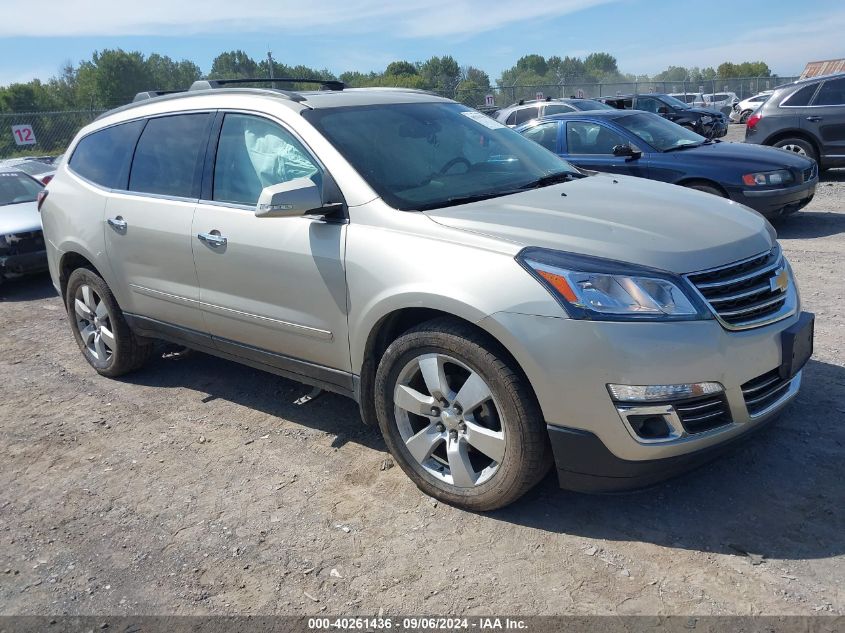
(831, 93)
(526, 114)
(802, 97)
(103, 157)
(168, 159)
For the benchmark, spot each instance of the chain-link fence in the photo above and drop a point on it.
(49, 133)
(41, 133)
(506, 95)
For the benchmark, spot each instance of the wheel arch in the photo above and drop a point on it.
(398, 321)
(687, 182)
(70, 261)
(793, 133)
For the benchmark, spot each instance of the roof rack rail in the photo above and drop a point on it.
(210, 84)
(152, 94)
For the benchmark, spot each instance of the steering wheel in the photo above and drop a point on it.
(452, 163)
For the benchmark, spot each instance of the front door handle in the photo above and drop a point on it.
(117, 223)
(814, 118)
(213, 239)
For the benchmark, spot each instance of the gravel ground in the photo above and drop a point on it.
(196, 486)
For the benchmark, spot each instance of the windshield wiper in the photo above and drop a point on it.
(683, 146)
(553, 179)
(456, 200)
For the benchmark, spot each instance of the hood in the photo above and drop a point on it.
(750, 157)
(19, 218)
(707, 111)
(628, 219)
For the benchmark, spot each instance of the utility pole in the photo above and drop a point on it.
(270, 65)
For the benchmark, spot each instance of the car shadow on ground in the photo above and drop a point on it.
(780, 495)
(832, 175)
(809, 224)
(28, 288)
(255, 389)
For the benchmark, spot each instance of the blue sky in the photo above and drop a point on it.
(644, 35)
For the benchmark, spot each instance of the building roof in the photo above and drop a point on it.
(824, 67)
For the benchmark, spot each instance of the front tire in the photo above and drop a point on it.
(706, 188)
(100, 330)
(458, 418)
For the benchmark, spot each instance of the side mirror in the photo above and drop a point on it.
(289, 199)
(662, 110)
(626, 151)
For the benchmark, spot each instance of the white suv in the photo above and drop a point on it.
(492, 308)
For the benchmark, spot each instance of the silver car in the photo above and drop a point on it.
(493, 309)
(21, 241)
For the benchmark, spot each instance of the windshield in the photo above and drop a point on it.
(591, 104)
(661, 134)
(16, 187)
(427, 155)
(34, 167)
(675, 103)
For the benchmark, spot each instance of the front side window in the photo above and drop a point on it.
(16, 188)
(254, 153)
(661, 134)
(103, 157)
(584, 137)
(544, 134)
(673, 102)
(431, 154)
(168, 159)
(649, 104)
(832, 93)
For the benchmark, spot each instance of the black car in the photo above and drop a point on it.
(522, 111)
(709, 123)
(646, 145)
(805, 117)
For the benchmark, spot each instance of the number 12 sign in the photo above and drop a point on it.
(23, 134)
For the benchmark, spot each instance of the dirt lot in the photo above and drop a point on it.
(197, 486)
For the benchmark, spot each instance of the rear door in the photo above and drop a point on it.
(545, 134)
(148, 226)
(825, 119)
(590, 145)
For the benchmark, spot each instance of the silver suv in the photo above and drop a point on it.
(492, 308)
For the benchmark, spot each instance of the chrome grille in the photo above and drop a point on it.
(703, 414)
(810, 173)
(747, 293)
(764, 391)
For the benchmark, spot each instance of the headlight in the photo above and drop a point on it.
(607, 290)
(770, 178)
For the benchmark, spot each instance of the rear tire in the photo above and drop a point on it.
(798, 146)
(99, 327)
(444, 389)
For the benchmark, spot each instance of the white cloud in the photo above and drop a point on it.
(408, 18)
(785, 48)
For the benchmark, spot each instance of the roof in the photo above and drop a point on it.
(588, 114)
(808, 80)
(824, 67)
(305, 99)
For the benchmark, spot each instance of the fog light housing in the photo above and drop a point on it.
(660, 393)
(650, 427)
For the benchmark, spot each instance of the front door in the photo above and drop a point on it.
(271, 289)
(148, 227)
(590, 145)
(826, 118)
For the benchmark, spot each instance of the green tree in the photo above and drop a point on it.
(601, 64)
(441, 74)
(234, 65)
(400, 68)
(111, 78)
(532, 63)
(167, 74)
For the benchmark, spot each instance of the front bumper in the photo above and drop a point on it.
(569, 363)
(773, 202)
(715, 129)
(22, 264)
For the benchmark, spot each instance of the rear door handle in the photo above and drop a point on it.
(213, 239)
(118, 223)
(814, 118)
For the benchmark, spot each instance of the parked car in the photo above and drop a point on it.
(648, 146)
(745, 108)
(806, 117)
(523, 111)
(491, 307)
(41, 171)
(709, 123)
(695, 99)
(21, 240)
(721, 101)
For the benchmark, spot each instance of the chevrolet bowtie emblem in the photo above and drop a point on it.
(780, 281)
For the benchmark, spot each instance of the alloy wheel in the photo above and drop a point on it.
(94, 323)
(797, 149)
(449, 420)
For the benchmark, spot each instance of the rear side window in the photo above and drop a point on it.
(168, 159)
(802, 97)
(104, 156)
(526, 114)
(831, 93)
(558, 108)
